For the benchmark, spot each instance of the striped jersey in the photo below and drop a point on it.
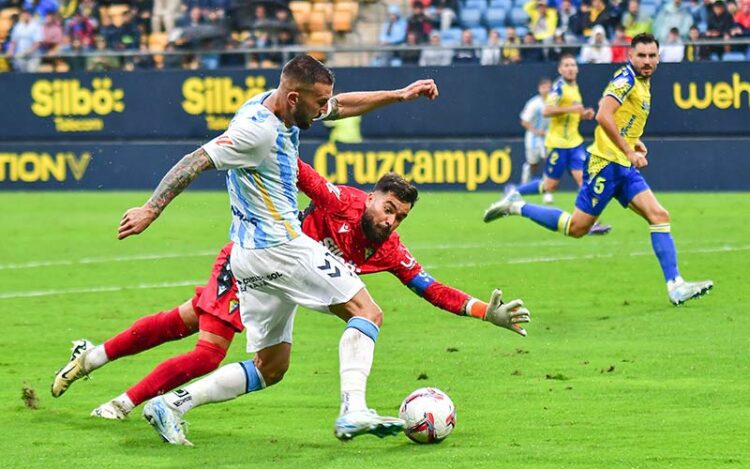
(533, 113)
(260, 153)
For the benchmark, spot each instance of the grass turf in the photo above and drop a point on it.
(610, 375)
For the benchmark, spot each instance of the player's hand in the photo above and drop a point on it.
(588, 113)
(538, 132)
(135, 221)
(426, 88)
(638, 159)
(508, 315)
(641, 147)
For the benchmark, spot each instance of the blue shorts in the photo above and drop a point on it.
(561, 159)
(613, 180)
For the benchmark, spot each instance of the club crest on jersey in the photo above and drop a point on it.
(369, 252)
(234, 305)
(260, 116)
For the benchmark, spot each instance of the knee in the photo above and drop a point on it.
(660, 215)
(373, 314)
(577, 229)
(273, 371)
(550, 185)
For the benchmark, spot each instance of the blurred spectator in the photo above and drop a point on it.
(560, 48)
(672, 50)
(145, 61)
(419, 23)
(700, 10)
(75, 48)
(620, 45)
(24, 43)
(101, 63)
(193, 18)
(164, 15)
(410, 57)
(634, 21)
(42, 8)
(393, 31)
(695, 52)
(435, 55)
(142, 10)
(82, 28)
(542, 20)
(720, 22)
(467, 56)
(443, 13)
(492, 53)
(617, 8)
(52, 34)
(531, 54)
(106, 30)
(597, 51)
(568, 19)
(511, 54)
(672, 15)
(126, 35)
(742, 17)
(594, 15)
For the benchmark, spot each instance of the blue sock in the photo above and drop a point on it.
(551, 218)
(663, 244)
(364, 326)
(255, 381)
(533, 187)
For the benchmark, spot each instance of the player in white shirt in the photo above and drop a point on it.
(276, 266)
(536, 125)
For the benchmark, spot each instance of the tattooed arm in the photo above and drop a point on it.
(361, 102)
(137, 219)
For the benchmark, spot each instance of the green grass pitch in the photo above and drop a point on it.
(611, 375)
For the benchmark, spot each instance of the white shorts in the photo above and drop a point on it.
(535, 154)
(271, 283)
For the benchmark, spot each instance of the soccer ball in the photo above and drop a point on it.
(429, 414)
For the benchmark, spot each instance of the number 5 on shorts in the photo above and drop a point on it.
(599, 185)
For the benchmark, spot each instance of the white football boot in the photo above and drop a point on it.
(111, 410)
(683, 291)
(167, 422)
(502, 207)
(74, 370)
(361, 422)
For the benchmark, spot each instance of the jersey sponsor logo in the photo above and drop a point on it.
(344, 228)
(721, 94)
(74, 106)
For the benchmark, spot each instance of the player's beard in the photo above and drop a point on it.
(300, 119)
(373, 232)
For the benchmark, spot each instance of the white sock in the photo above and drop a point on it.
(95, 358)
(124, 402)
(525, 173)
(515, 207)
(356, 351)
(675, 282)
(224, 384)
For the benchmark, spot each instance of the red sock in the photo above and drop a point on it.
(204, 358)
(146, 333)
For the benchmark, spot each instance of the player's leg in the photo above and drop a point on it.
(214, 339)
(145, 333)
(645, 204)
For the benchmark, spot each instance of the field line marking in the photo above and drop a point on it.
(102, 260)
(114, 288)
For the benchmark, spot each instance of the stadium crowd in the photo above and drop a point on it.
(44, 35)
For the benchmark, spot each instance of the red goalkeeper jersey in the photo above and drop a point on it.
(333, 219)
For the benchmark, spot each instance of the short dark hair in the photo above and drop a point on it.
(398, 186)
(644, 38)
(565, 55)
(543, 80)
(308, 71)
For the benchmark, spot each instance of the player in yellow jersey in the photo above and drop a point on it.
(612, 170)
(565, 148)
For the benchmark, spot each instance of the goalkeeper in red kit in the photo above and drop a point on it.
(357, 227)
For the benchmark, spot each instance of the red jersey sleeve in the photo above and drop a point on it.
(321, 192)
(423, 284)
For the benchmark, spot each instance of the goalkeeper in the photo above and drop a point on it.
(358, 227)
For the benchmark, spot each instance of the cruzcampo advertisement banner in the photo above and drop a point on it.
(700, 99)
(455, 165)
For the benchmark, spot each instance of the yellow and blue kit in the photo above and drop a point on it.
(565, 150)
(609, 173)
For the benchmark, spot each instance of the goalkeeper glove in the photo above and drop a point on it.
(507, 315)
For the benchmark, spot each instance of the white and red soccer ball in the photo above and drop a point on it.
(429, 414)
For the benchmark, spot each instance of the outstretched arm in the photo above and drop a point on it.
(137, 219)
(361, 102)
